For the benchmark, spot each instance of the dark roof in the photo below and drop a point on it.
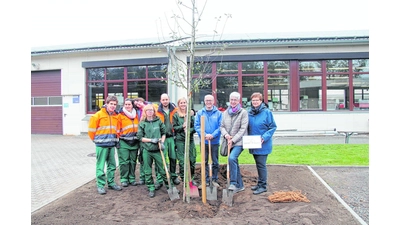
(205, 41)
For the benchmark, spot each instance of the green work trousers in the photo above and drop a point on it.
(180, 155)
(127, 158)
(141, 168)
(170, 156)
(148, 158)
(105, 157)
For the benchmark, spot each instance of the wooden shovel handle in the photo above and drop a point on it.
(210, 159)
(165, 163)
(227, 165)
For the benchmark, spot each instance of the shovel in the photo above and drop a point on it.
(227, 195)
(212, 189)
(172, 191)
(194, 191)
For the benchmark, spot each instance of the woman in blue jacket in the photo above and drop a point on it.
(261, 122)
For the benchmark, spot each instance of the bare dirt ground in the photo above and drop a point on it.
(133, 206)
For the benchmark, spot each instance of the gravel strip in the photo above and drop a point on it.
(351, 184)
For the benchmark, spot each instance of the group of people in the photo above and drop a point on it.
(232, 124)
(141, 131)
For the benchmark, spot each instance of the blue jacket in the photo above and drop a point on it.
(212, 120)
(261, 122)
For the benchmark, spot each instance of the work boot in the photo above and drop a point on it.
(239, 190)
(152, 194)
(124, 184)
(253, 188)
(141, 182)
(101, 190)
(200, 185)
(157, 186)
(215, 183)
(115, 187)
(177, 181)
(233, 187)
(259, 191)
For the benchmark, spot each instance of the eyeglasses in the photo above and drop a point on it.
(149, 110)
(208, 100)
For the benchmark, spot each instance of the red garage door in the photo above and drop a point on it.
(46, 102)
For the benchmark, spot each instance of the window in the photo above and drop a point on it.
(117, 89)
(204, 88)
(251, 84)
(96, 96)
(136, 72)
(331, 85)
(360, 84)
(157, 71)
(360, 65)
(155, 90)
(96, 74)
(227, 68)
(310, 67)
(253, 68)
(361, 91)
(337, 93)
(136, 88)
(310, 92)
(202, 68)
(276, 67)
(278, 93)
(46, 101)
(225, 85)
(337, 66)
(115, 73)
(125, 82)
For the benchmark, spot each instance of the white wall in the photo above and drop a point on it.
(323, 121)
(317, 121)
(73, 80)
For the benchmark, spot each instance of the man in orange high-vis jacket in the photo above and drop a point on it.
(103, 131)
(166, 111)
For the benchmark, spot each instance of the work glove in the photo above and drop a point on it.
(162, 146)
(134, 136)
(154, 140)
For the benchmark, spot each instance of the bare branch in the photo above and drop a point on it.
(182, 72)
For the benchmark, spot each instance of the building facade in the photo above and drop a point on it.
(312, 82)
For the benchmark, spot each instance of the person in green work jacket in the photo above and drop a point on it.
(165, 112)
(180, 127)
(151, 133)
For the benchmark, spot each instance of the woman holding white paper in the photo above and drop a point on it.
(261, 122)
(233, 127)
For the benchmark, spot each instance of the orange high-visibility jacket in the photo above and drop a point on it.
(168, 126)
(128, 128)
(103, 128)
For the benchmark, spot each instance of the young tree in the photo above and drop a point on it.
(181, 75)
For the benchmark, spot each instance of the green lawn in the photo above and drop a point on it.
(313, 155)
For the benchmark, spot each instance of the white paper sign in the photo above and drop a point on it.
(252, 141)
